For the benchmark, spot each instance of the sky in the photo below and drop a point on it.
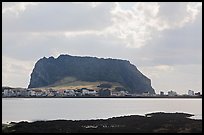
(163, 40)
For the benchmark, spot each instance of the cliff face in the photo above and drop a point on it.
(47, 71)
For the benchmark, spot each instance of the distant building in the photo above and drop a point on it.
(69, 93)
(6, 92)
(172, 93)
(190, 92)
(9, 93)
(119, 93)
(197, 94)
(161, 93)
(38, 92)
(88, 92)
(104, 92)
(146, 93)
(92, 93)
(32, 93)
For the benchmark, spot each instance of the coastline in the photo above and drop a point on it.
(115, 97)
(158, 122)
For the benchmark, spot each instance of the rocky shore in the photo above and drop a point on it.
(150, 123)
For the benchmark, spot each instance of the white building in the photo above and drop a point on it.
(38, 92)
(6, 92)
(191, 93)
(9, 93)
(119, 93)
(32, 93)
(89, 92)
(69, 93)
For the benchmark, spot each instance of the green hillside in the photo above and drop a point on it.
(73, 83)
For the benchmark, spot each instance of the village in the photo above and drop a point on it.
(85, 92)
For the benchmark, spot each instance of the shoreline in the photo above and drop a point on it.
(189, 97)
(158, 122)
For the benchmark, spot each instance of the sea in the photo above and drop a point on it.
(34, 109)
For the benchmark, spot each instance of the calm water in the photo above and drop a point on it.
(31, 109)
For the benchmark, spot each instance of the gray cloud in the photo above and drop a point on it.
(177, 46)
(56, 16)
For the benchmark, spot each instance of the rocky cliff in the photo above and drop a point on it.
(47, 71)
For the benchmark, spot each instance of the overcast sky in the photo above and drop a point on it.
(164, 40)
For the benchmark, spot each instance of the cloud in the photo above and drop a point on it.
(16, 7)
(176, 46)
(177, 14)
(164, 67)
(155, 72)
(134, 27)
(172, 46)
(71, 34)
(15, 70)
(137, 26)
(54, 16)
(129, 26)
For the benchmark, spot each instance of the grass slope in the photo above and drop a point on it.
(73, 83)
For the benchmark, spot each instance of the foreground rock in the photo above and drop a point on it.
(151, 123)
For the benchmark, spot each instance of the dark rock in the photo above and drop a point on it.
(47, 71)
(157, 123)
